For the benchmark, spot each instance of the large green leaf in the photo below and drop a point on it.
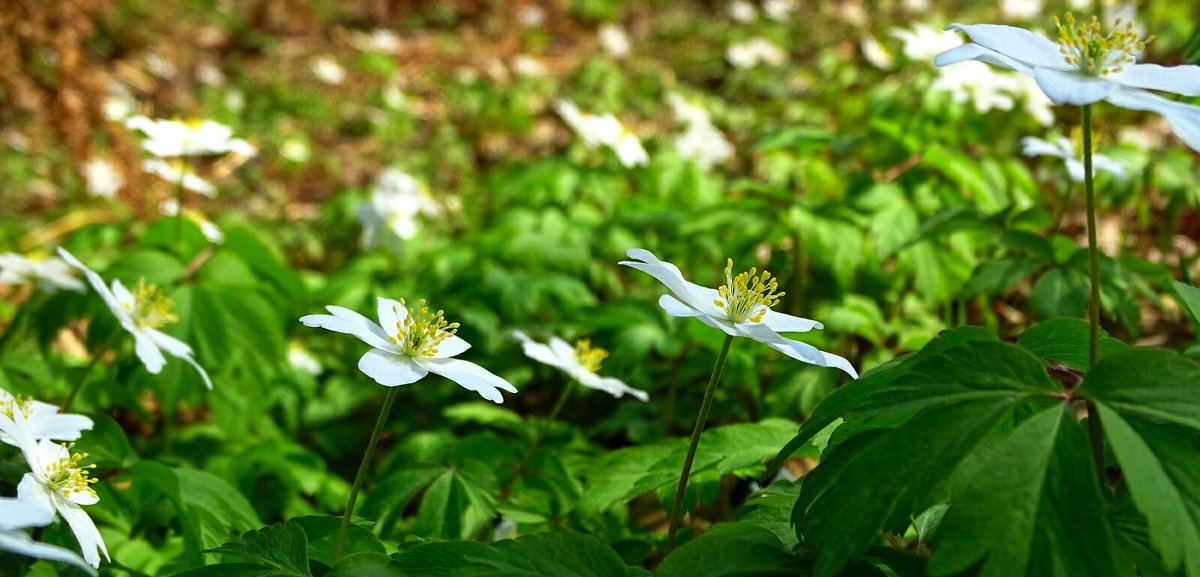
(283, 547)
(1066, 340)
(560, 554)
(1190, 296)
(733, 550)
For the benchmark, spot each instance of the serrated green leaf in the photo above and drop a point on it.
(386, 501)
(281, 546)
(1061, 292)
(733, 550)
(1066, 340)
(1190, 296)
(1150, 383)
(994, 276)
(366, 565)
(559, 554)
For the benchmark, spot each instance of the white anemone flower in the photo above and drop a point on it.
(393, 210)
(1061, 148)
(740, 308)
(742, 11)
(141, 313)
(48, 274)
(1086, 65)
(327, 70)
(410, 343)
(604, 130)
(302, 359)
(1021, 9)
(210, 230)
(57, 481)
(171, 138)
(753, 52)
(922, 43)
(779, 10)
(700, 142)
(15, 515)
(102, 178)
(26, 418)
(875, 53)
(179, 174)
(580, 362)
(614, 41)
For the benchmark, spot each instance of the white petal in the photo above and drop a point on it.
(784, 323)
(390, 370)
(66, 427)
(1016, 43)
(1072, 87)
(676, 308)
(93, 279)
(1183, 118)
(452, 346)
(348, 322)
(391, 313)
(471, 377)
(85, 531)
(795, 349)
(985, 55)
(180, 349)
(1108, 164)
(1183, 80)
(1075, 170)
(614, 387)
(720, 324)
(669, 275)
(19, 514)
(564, 351)
(1031, 146)
(122, 294)
(22, 544)
(538, 351)
(148, 351)
(31, 490)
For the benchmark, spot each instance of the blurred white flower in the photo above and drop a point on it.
(102, 178)
(753, 52)
(978, 84)
(505, 529)
(531, 15)
(17, 514)
(604, 130)
(410, 343)
(170, 207)
(393, 95)
(47, 274)
(393, 210)
(700, 142)
(614, 41)
(742, 11)
(922, 43)
(528, 66)
(876, 54)
(57, 481)
(208, 73)
(916, 5)
(235, 100)
(170, 138)
(295, 149)
(300, 358)
(119, 104)
(1021, 9)
(779, 10)
(160, 67)
(32, 420)
(328, 70)
(1037, 104)
(176, 172)
(580, 362)
(740, 308)
(1061, 148)
(377, 40)
(141, 313)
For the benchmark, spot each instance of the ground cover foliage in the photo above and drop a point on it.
(536, 185)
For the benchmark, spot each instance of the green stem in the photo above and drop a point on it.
(340, 544)
(677, 506)
(1095, 431)
(179, 194)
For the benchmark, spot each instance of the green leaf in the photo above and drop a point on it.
(733, 550)
(559, 554)
(365, 565)
(386, 501)
(1190, 297)
(994, 276)
(440, 514)
(281, 546)
(1061, 292)
(1066, 340)
(233, 570)
(1153, 384)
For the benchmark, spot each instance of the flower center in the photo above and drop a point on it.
(151, 308)
(747, 296)
(420, 333)
(66, 476)
(588, 356)
(9, 407)
(1087, 47)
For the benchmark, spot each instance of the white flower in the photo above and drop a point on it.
(119, 104)
(56, 481)
(393, 94)
(208, 73)
(742, 11)
(979, 84)
(779, 10)
(1037, 104)
(875, 53)
(212, 232)
(754, 51)
(295, 150)
(378, 40)
(48, 274)
(102, 178)
(300, 358)
(923, 43)
(160, 67)
(1061, 148)
(1021, 9)
(580, 362)
(1085, 66)
(700, 141)
(141, 313)
(396, 202)
(742, 307)
(327, 70)
(169, 138)
(16, 514)
(176, 172)
(531, 15)
(26, 418)
(614, 41)
(604, 130)
(526, 65)
(409, 344)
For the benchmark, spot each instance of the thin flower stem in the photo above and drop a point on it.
(677, 506)
(1095, 431)
(340, 544)
(179, 194)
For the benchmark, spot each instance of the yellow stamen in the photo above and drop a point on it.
(151, 308)
(1087, 47)
(10, 407)
(749, 295)
(588, 356)
(66, 476)
(421, 331)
